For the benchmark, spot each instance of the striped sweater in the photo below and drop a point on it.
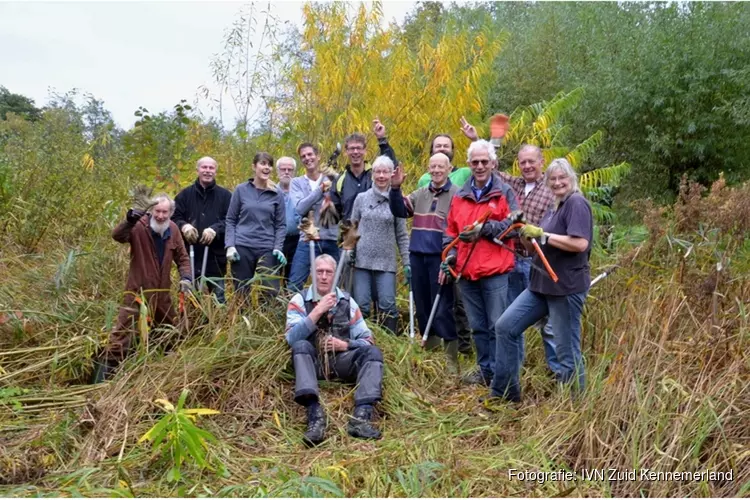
(429, 207)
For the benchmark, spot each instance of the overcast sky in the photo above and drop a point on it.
(128, 54)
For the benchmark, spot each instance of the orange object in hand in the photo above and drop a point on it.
(498, 126)
(446, 250)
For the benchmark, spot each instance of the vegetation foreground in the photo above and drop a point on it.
(666, 341)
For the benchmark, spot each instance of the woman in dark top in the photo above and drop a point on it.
(564, 234)
(256, 227)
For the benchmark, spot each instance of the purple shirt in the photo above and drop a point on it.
(573, 218)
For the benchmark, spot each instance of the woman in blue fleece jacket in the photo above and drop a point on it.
(256, 227)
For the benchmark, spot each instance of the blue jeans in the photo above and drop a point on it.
(518, 281)
(564, 316)
(485, 301)
(385, 287)
(301, 262)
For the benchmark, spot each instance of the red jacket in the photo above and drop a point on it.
(488, 258)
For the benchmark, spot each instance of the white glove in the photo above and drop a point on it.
(190, 233)
(208, 236)
(186, 286)
(232, 255)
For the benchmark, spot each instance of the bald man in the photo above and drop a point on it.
(429, 208)
(200, 212)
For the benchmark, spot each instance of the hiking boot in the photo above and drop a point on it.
(475, 378)
(451, 356)
(360, 425)
(316, 425)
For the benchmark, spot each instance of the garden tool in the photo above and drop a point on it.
(348, 238)
(535, 244)
(311, 234)
(203, 269)
(329, 216)
(192, 265)
(456, 275)
(603, 275)
(411, 312)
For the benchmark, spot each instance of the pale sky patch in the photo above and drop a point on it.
(128, 54)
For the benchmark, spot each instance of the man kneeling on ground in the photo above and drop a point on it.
(330, 340)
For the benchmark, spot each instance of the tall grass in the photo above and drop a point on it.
(668, 387)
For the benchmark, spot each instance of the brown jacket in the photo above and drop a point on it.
(145, 272)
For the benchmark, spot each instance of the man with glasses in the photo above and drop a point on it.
(357, 176)
(482, 264)
(534, 199)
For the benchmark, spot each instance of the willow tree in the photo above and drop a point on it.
(350, 69)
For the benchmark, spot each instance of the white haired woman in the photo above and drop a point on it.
(375, 254)
(565, 234)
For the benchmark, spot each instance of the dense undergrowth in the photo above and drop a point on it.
(666, 340)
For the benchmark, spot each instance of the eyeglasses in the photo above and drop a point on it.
(476, 163)
(354, 148)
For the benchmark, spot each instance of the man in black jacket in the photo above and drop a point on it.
(200, 213)
(357, 176)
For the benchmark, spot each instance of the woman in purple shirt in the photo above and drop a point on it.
(565, 234)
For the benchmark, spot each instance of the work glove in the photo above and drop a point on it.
(134, 215)
(190, 233)
(185, 285)
(516, 216)
(232, 255)
(280, 257)
(447, 265)
(207, 237)
(407, 274)
(531, 231)
(471, 235)
(498, 128)
(142, 198)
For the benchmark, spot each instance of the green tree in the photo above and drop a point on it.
(18, 104)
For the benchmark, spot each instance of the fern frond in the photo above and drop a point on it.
(584, 150)
(610, 176)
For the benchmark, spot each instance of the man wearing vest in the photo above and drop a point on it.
(330, 340)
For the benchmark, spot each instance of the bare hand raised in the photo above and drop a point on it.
(469, 130)
(378, 128)
(398, 176)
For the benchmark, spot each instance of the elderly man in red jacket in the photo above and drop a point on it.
(155, 242)
(482, 264)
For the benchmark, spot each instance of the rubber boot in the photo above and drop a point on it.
(451, 356)
(104, 369)
(433, 343)
(391, 324)
(360, 425)
(316, 425)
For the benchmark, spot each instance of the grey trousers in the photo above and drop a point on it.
(363, 365)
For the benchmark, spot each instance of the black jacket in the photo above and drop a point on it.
(205, 207)
(347, 186)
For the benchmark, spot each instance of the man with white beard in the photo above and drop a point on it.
(155, 242)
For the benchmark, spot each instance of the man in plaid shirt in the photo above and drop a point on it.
(534, 199)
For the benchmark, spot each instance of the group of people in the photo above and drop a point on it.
(512, 251)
